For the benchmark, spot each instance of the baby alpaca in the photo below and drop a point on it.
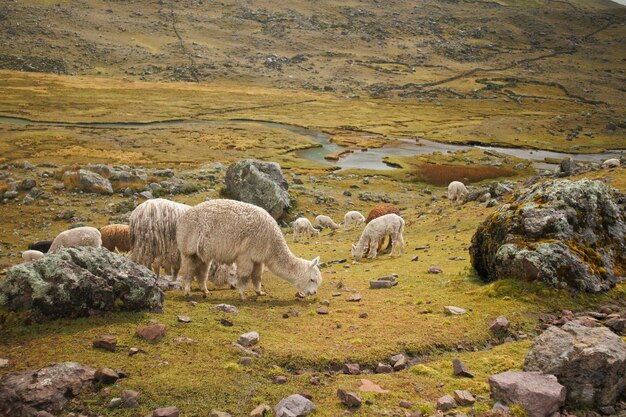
(353, 217)
(80, 236)
(303, 227)
(326, 222)
(456, 192)
(390, 225)
(31, 255)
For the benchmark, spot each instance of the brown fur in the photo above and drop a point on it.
(381, 210)
(116, 236)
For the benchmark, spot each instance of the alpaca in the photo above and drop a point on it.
(153, 235)
(222, 274)
(353, 217)
(116, 237)
(32, 255)
(456, 192)
(303, 227)
(229, 231)
(377, 229)
(80, 236)
(41, 246)
(326, 222)
(378, 211)
(611, 163)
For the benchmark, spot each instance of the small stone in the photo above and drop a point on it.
(325, 303)
(417, 413)
(415, 258)
(405, 404)
(193, 303)
(106, 376)
(227, 308)
(280, 379)
(435, 270)
(261, 411)
(245, 360)
(248, 339)
(322, 310)
(369, 386)
(226, 322)
(363, 315)
(166, 412)
(348, 398)
(464, 397)
(184, 319)
(294, 405)
(446, 403)
(130, 398)
(400, 364)
(4, 363)
(217, 413)
(106, 342)
(152, 333)
(133, 351)
(454, 310)
(354, 297)
(380, 283)
(501, 324)
(383, 368)
(115, 402)
(460, 369)
(351, 369)
(315, 380)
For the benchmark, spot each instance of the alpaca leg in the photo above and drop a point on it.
(390, 244)
(400, 244)
(372, 252)
(244, 270)
(202, 273)
(256, 278)
(295, 235)
(188, 270)
(156, 267)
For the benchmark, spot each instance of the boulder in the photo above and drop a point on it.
(294, 406)
(87, 181)
(349, 399)
(248, 339)
(77, 282)
(560, 232)
(538, 394)
(260, 183)
(48, 389)
(589, 362)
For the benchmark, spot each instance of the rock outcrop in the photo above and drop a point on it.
(260, 183)
(538, 394)
(76, 282)
(589, 362)
(561, 232)
(87, 181)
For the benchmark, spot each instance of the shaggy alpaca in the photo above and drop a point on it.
(31, 255)
(80, 236)
(153, 235)
(353, 217)
(116, 237)
(375, 231)
(41, 246)
(456, 192)
(611, 163)
(378, 211)
(303, 227)
(223, 274)
(326, 222)
(228, 231)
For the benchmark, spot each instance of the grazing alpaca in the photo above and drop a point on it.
(611, 163)
(389, 224)
(229, 231)
(32, 255)
(303, 227)
(153, 235)
(116, 237)
(353, 217)
(456, 192)
(223, 274)
(378, 211)
(80, 236)
(326, 222)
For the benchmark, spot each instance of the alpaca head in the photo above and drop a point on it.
(316, 232)
(356, 254)
(312, 278)
(231, 279)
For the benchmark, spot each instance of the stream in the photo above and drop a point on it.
(372, 159)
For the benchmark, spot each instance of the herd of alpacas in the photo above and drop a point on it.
(230, 242)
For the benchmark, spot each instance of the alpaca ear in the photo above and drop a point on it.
(315, 262)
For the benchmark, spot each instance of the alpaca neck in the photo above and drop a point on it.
(285, 264)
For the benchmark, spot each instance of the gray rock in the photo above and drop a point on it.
(47, 389)
(87, 181)
(501, 324)
(560, 232)
(106, 342)
(459, 369)
(217, 413)
(227, 308)
(10, 195)
(115, 402)
(383, 368)
(261, 411)
(166, 412)
(294, 406)
(76, 282)
(248, 339)
(446, 403)
(589, 362)
(351, 369)
(349, 399)
(464, 398)
(106, 376)
(260, 183)
(538, 394)
(454, 310)
(26, 184)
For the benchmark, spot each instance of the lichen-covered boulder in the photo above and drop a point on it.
(260, 183)
(561, 232)
(87, 181)
(77, 282)
(48, 389)
(589, 362)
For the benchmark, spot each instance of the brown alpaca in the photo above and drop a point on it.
(116, 236)
(381, 210)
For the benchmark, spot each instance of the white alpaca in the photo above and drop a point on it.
(390, 225)
(353, 217)
(228, 231)
(80, 236)
(611, 163)
(153, 235)
(326, 222)
(31, 255)
(303, 227)
(223, 274)
(457, 191)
